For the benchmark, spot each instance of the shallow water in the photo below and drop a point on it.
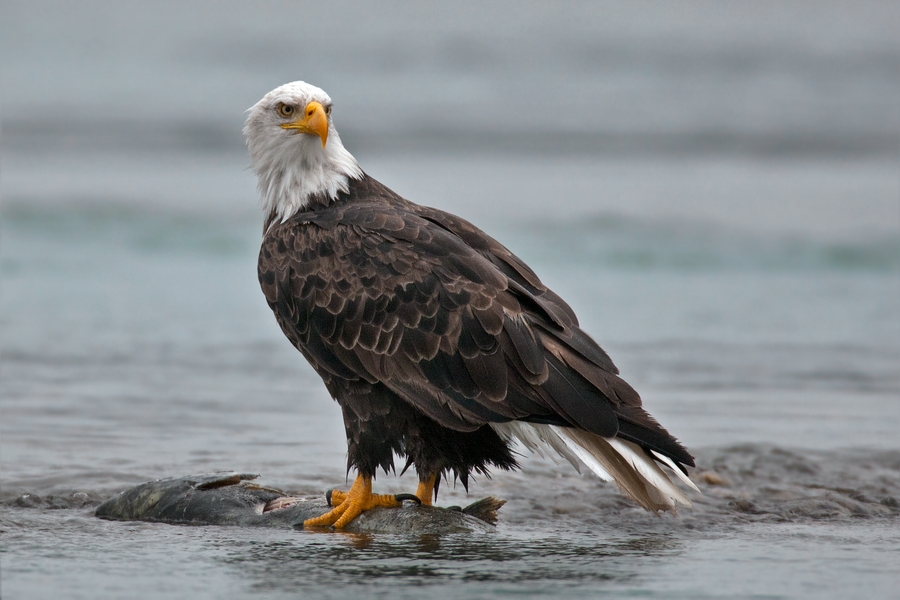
(728, 229)
(137, 346)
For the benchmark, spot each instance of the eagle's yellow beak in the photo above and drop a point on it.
(314, 121)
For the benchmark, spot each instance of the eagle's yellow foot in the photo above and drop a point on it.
(349, 505)
(425, 493)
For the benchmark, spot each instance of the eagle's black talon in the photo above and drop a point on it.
(411, 497)
(455, 508)
(328, 497)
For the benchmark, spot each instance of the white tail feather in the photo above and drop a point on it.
(589, 458)
(612, 459)
(678, 472)
(538, 438)
(649, 470)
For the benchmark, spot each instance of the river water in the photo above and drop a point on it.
(715, 190)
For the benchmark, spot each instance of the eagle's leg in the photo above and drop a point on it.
(352, 504)
(425, 491)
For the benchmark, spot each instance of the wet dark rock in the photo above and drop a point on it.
(771, 484)
(56, 501)
(744, 506)
(232, 499)
(29, 501)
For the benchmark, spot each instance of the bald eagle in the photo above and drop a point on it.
(439, 344)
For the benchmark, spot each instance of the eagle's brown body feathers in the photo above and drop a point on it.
(426, 331)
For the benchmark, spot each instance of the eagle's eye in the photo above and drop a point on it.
(285, 110)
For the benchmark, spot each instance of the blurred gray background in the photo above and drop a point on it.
(133, 83)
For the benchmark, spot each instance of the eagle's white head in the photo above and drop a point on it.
(295, 150)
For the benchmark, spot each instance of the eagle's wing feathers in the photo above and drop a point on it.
(444, 316)
(561, 337)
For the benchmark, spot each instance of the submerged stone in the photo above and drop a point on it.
(232, 499)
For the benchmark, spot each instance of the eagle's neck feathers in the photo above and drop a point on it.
(295, 170)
